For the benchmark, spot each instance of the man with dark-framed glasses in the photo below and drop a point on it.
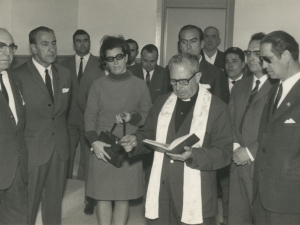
(13, 150)
(246, 104)
(182, 187)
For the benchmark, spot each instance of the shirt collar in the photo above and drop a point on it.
(239, 78)
(86, 57)
(40, 68)
(290, 82)
(145, 72)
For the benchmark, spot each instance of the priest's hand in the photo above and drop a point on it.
(240, 156)
(98, 147)
(184, 156)
(128, 142)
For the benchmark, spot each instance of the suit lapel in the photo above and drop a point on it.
(262, 91)
(56, 88)
(37, 77)
(292, 97)
(18, 100)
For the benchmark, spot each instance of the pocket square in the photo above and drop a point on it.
(206, 86)
(290, 121)
(65, 90)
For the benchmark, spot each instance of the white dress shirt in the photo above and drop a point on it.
(230, 82)
(84, 62)
(42, 69)
(211, 59)
(287, 86)
(145, 74)
(11, 99)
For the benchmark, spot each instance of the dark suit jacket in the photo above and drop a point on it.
(215, 154)
(12, 141)
(237, 105)
(46, 127)
(80, 90)
(159, 81)
(217, 80)
(277, 167)
(219, 61)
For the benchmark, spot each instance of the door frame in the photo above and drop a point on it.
(161, 12)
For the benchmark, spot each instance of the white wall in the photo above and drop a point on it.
(252, 16)
(134, 19)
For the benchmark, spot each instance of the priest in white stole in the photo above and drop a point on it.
(182, 188)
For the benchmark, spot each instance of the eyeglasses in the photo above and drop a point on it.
(117, 57)
(248, 53)
(266, 59)
(182, 81)
(12, 48)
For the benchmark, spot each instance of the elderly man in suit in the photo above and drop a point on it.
(46, 91)
(85, 69)
(210, 52)
(182, 187)
(247, 101)
(14, 155)
(276, 188)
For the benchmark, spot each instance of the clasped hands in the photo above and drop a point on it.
(130, 141)
(126, 117)
(240, 156)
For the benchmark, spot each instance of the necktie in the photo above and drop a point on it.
(253, 93)
(148, 78)
(4, 91)
(49, 84)
(233, 82)
(80, 70)
(277, 99)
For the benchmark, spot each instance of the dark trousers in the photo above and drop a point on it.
(76, 133)
(13, 201)
(265, 217)
(223, 182)
(46, 184)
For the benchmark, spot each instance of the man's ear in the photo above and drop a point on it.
(219, 42)
(33, 48)
(198, 76)
(202, 43)
(286, 55)
(243, 65)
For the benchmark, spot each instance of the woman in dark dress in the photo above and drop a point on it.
(115, 96)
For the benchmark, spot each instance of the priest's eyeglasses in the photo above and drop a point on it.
(117, 57)
(248, 53)
(12, 48)
(182, 81)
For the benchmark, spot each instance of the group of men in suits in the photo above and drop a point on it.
(42, 107)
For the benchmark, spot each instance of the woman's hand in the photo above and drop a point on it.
(100, 153)
(126, 117)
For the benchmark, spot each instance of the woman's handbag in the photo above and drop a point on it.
(116, 152)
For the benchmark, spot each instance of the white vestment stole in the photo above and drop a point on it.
(192, 200)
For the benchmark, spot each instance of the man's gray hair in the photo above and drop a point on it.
(192, 60)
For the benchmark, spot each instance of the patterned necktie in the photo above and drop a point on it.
(148, 78)
(3, 88)
(277, 99)
(253, 93)
(49, 85)
(80, 70)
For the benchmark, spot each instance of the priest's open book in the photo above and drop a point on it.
(176, 147)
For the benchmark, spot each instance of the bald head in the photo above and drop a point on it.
(6, 56)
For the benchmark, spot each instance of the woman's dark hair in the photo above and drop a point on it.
(111, 42)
